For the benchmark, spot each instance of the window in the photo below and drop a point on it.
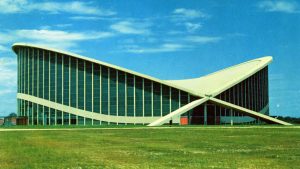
(121, 93)
(96, 88)
(130, 95)
(88, 87)
(113, 92)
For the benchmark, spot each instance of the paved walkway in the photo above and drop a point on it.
(147, 128)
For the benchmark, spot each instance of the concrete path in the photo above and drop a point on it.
(150, 128)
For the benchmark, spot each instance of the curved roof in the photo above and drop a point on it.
(217, 82)
(16, 45)
(211, 84)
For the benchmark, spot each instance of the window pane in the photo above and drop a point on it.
(104, 90)
(96, 88)
(113, 92)
(73, 82)
(156, 99)
(66, 80)
(88, 87)
(80, 84)
(130, 95)
(59, 79)
(121, 93)
(138, 96)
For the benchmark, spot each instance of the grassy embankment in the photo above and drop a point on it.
(169, 147)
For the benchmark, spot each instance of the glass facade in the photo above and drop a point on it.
(89, 87)
(251, 93)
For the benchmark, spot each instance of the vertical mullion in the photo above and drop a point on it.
(43, 76)
(69, 84)
(28, 53)
(179, 98)
(77, 89)
(84, 86)
(55, 95)
(143, 96)
(37, 83)
(170, 99)
(117, 93)
(152, 99)
(134, 109)
(92, 89)
(62, 87)
(161, 110)
(49, 87)
(108, 93)
(125, 94)
(37, 73)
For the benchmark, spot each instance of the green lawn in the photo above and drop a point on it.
(169, 147)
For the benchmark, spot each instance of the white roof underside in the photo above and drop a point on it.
(211, 84)
(217, 82)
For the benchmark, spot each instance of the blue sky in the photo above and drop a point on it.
(170, 39)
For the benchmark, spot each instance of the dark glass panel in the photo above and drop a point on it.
(113, 92)
(40, 114)
(81, 84)
(30, 73)
(148, 97)
(88, 87)
(96, 88)
(59, 116)
(66, 80)
(46, 75)
(66, 118)
(183, 98)
(121, 93)
(165, 100)
(52, 76)
(88, 121)
(73, 119)
(80, 120)
(52, 116)
(130, 95)
(138, 96)
(175, 99)
(35, 72)
(59, 79)
(156, 99)
(34, 113)
(46, 115)
(73, 82)
(41, 74)
(104, 90)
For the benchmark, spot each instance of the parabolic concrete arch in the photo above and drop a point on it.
(61, 88)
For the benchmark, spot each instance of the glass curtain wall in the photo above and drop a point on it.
(87, 86)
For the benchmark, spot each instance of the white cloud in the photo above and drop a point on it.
(58, 35)
(54, 38)
(60, 39)
(6, 91)
(127, 27)
(8, 73)
(279, 6)
(85, 18)
(3, 48)
(76, 7)
(203, 39)
(183, 13)
(167, 47)
(192, 27)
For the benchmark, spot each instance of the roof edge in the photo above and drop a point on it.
(20, 44)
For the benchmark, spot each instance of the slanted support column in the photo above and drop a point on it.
(205, 113)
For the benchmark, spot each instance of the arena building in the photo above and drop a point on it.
(61, 88)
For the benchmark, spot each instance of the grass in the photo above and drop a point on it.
(139, 147)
